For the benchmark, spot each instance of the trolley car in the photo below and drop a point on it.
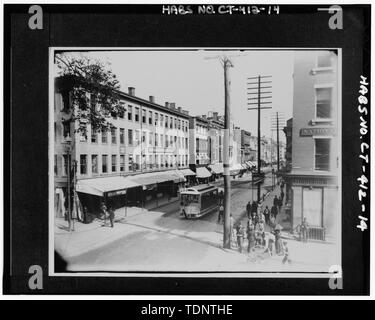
(198, 200)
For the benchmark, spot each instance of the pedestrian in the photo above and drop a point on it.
(266, 214)
(254, 208)
(248, 209)
(221, 197)
(250, 238)
(240, 236)
(85, 213)
(103, 209)
(261, 235)
(278, 242)
(286, 253)
(270, 247)
(280, 203)
(111, 215)
(282, 195)
(304, 230)
(231, 226)
(275, 200)
(221, 214)
(274, 211)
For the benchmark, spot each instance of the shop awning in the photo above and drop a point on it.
(180, 176)
(187, 172)
(217, 168)
(145, 179)
(235, 169)
(251, 164)
(202, 172)
(100, 186)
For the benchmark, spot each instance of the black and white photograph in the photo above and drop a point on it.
(196, 160)
(214, 150)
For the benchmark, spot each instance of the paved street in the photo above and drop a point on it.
(161, 241)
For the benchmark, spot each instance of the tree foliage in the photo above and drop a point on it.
(92, 90)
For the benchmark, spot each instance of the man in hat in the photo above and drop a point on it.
(248, 209)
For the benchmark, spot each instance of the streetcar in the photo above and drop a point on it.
(198, 200)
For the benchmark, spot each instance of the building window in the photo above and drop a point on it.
(83, 132)
(83, 163)
(65, 165)
(130, 137)
(104, 163)
(166, 141)
(114, 163)
(156, 139)
(156, 118)
(55, 165)
(94, 163)
(323, 102)
(122, 135)
(131, 163)
(161, 120)
(66, 128)
(150, 117)
(143, 136)
(179, 124)
(94, 136)
(122, 163)
(104, 136)
(324, 61)
(150, 135)
(166, 121)
(130, 113)
(171, 123)
(322, 150)
(186, 143)
(136, 114)
(137, 137)
(114, 135)
(143, 116)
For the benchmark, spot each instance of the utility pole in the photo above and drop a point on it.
(226, 63)
(227, 236)
(277, 122)
(261, 99)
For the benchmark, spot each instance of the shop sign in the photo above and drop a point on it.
(309, 132)
(116, 193)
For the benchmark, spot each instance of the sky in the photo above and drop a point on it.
(194, 80)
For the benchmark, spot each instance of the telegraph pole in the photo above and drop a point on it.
(227, 236)
(261, 99)
(226, 63)
(277, 122)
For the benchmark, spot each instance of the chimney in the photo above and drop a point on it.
(204, 116)
(179, 109)
(152, 99)
(167, 104)
(185, 112)
(172, 105)
(215, 116)
(131, 91)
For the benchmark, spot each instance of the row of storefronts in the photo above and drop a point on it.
(149, 190)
